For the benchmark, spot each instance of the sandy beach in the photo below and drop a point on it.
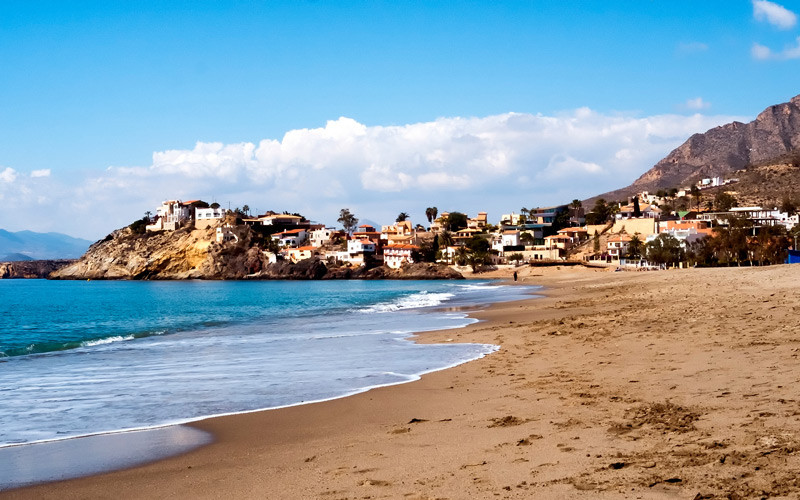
(674, 384)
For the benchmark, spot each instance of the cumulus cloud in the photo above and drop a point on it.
(774, 14)
(763, 53)
(495, 163)
(697, 104)
(8, 175)
(45, 172)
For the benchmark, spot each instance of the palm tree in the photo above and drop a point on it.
(403, 216)
(445, 239)
(461, 255)
(431, 213)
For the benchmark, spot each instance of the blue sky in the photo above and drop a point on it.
(118, 102)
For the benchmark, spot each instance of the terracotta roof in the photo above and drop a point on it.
(305, 248)
(293, 231)
(573, 230)
(401, 247)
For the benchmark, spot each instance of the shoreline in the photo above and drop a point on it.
(60, 446)
(667, 384)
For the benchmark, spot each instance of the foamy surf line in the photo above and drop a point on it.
(77, 456)
(426, 303)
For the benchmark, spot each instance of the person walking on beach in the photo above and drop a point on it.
(515, 276)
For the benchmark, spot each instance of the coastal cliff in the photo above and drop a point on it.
(194, 254)
(31, 269)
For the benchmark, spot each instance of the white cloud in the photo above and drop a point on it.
(8, 175)
(763, 53)
(45, 172)
(774, 14)
(495, 163)
(697, 104)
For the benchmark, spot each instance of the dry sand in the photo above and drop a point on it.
(676, 384)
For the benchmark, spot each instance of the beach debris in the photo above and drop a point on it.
(310, 459)
(416, 420)
(506, 421)
(617, 465)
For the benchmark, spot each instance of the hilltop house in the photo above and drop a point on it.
(291, 238)
(172, 214)
(207, 217)
(323, 236)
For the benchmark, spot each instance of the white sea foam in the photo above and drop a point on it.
(107, 340)
(414, 301)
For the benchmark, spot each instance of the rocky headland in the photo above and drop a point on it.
(195, 254)
(31, 269)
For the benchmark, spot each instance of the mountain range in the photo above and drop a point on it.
(28, 245)
(723, 150)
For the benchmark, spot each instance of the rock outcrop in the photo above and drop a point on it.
(31, 269)
(724, 149)
(194, 254)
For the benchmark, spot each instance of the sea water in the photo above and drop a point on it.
(81, 358)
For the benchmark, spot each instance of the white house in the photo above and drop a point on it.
(290, 238)
(618, 245)
(358, 248)
(207, 217)
(226, 234)
(394, 256)
(321, 236)
(171, 215)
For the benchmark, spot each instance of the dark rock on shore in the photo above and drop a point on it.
(31, 269)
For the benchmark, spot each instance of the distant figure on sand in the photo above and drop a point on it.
(515, 276)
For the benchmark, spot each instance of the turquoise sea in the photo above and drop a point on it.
(92, 357)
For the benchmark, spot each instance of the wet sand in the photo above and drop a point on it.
(676, 384)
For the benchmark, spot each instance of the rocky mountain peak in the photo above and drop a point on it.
(723, 150)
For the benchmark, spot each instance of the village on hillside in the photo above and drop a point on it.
(676, 227)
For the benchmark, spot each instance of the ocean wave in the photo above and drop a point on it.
(414, 301)
(107, 340)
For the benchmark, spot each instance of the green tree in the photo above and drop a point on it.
(771, 245)
(599, 214)
(478, 244)
(788, 205)
(516, 257)
(246, 209)
(637, 212)
(724, 201)
(527, 239)
(431, 213)
(347, 220)
(665, 249)
(456, 221)
(214, 205)
(635, 247)
(401, 217)
(445, 239)
(730, 242)
(462, 255)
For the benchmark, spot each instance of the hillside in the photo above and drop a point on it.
(194, 254)
(768, 183)
(723, 150)
(28, 245)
